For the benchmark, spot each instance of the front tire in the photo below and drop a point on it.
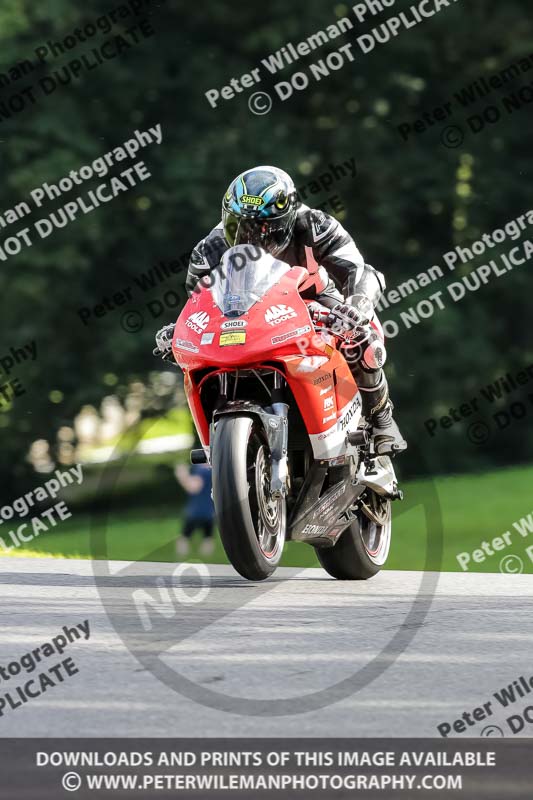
(252, 525)
(361, 549)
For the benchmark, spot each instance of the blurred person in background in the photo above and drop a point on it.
(199, 510)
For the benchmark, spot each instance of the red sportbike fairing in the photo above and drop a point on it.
(279, 416)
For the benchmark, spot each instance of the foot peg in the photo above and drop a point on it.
(359, 438)
(198, 456)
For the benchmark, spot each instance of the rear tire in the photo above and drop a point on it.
(252, 525)
(362, 549)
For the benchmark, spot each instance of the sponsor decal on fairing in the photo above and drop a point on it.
(198, 321)
(291, 334)
(236, 337)
(277, 314)
(314, 529)
(233, 323)
(326, 376)
(183, 344)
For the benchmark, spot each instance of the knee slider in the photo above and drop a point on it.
(374, 354)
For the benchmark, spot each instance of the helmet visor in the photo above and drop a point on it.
(270, 234)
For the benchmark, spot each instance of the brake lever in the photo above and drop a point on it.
(351, 336)
(332, 332)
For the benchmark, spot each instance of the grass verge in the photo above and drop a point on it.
(475, 509)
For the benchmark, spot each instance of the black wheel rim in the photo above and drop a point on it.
(374, 526)
(268, 514)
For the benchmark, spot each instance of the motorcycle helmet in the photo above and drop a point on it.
(260, 208)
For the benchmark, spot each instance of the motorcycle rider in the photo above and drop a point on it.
(261, 208)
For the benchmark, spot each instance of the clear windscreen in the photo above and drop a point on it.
(242, 278)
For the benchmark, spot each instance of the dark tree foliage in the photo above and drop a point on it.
(410, 203)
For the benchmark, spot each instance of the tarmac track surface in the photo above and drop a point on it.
(465, 636)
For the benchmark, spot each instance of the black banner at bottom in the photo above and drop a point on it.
(42, 769)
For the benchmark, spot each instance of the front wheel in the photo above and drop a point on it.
(252, 524)
(362, 549)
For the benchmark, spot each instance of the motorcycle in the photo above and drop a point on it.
(279, 416)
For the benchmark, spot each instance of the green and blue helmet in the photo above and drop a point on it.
(260, 208)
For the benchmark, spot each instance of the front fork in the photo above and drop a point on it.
(274, 419)
(279, 448)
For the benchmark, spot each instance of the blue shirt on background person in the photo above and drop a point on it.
(198, 511)
(200, 505)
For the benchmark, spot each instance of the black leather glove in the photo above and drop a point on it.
(344, 318)
(163, 339)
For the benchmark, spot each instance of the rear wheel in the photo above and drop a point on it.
(362, 549)
(252, 524)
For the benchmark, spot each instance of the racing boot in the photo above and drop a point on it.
(377, 408)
